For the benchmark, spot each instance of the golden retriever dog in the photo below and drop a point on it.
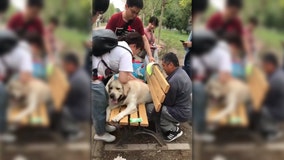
(229, 95)
(132, 93)
(29, 96)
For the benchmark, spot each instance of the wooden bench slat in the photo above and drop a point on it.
(34, 115)
(44, 115)
(134, 115)
(159, 92)
(257, 90)
(13, 111)
(155, 99)
(124, 120)
(113, 113)
(59, 87)
(212, 111)
(243, 115)
(162, 81)
(143, 115)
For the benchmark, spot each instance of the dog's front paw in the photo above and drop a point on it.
(116, 119)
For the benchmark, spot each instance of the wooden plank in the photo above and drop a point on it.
(155, 99)
(14, 111)
(113, 113)
(34, 116)
(124, 120)
(134, 115)
(234, 115)
(143, 115)
(156, 85)
(59, 87)
(258, 86)
(44, 115)
(243, 115)
(161, 79)
(212, 111)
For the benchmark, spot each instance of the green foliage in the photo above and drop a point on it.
(110, 11)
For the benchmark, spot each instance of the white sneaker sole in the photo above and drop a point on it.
(102, 139)
(179, 135)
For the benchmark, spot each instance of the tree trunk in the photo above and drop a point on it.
(161, 20)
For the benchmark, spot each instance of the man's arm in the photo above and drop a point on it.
(147, 48)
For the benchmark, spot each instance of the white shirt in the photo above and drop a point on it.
(218, 59)
(19, 60)
(119, 60)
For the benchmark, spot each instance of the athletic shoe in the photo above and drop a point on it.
(172, 135)
(110, 128)
(106, 137)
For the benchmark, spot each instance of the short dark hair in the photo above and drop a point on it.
(171, 58)
(253, 20)
(154, 20)
(133, 38)
(199, 6)
(4, 4)
(35, 39)
(100, 6)
(234, 38)
(71, 57)
(270, 58)
(235, 3)
(54, 20)
(36, 3)
(135, 3)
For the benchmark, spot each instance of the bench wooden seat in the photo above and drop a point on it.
(258, 87)
(39, 118)
(59, 87)
(238, 118)
(158, 86)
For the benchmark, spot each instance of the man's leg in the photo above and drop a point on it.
(99, 105)
(168, 123)
(199, 103)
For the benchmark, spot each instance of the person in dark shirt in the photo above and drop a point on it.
(128, 21)
(272, 111)
(78, 97)
(177, 105)
(28, 21)
(227, 21)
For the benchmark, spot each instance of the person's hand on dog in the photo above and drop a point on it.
(187, 44)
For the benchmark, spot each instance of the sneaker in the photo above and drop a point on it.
(177, 124)
(106, 137)
(205, 137)
(274, 136)
(7, 138)
(75, 136)
(110, 128)
(172, 135)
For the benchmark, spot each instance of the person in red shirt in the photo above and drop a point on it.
(28, 21)
(227, 21)
(127, 21)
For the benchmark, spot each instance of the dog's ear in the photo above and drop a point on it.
(107, 87)
(126, 89)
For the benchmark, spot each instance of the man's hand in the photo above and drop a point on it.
(151, 59)
(187, 44)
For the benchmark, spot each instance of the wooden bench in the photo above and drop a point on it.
(158, 86)
(258, 87)
(59, 86)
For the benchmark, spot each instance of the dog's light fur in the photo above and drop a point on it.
(234, 93)
(29, 95)
(132, 93)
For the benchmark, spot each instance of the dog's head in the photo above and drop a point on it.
(17, 91)
(216, 91)
(117, 92)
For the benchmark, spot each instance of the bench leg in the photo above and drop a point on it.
(126, 133)
(155, 135)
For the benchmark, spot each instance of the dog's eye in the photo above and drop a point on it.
(110, 88)
(117, 88)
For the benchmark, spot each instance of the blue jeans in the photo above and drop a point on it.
(100, 103)
(3, 107)
(199, 106)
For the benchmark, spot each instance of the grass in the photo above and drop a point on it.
(172, 38)
(72, 39)
(270, 38)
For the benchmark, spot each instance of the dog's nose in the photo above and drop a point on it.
(111, 95)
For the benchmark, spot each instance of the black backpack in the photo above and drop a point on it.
(104, 40)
